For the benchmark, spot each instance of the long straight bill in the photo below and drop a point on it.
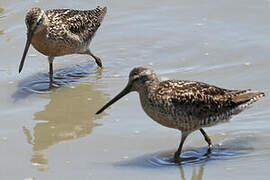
(116, 98)
(28, 42)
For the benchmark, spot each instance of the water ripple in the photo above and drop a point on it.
(40, 83)
(227, 150)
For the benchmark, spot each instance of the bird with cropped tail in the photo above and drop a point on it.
(59, 32)
(185, 105)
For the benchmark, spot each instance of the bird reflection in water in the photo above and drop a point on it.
(2, 12)
(195, 175)
(69, 115)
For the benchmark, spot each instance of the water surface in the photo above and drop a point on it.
(54, 134)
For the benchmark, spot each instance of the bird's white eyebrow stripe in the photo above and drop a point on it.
(40, 16)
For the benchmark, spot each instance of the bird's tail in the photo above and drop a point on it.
(100, 12)
(245, 98)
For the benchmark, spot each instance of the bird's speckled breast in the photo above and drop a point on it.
(156, 112)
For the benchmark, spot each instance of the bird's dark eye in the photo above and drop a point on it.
(39, 22)
(136, 79)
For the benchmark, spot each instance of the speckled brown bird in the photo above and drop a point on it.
(185, 105)
(61, 32)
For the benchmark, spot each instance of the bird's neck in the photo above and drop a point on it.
(149, 87)
(148, 96)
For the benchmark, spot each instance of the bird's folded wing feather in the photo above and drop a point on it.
(81, 24)
(202, 99)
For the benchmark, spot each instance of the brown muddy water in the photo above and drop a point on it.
(56, 135)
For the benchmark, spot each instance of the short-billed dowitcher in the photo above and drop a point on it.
(61, 32)
(185, 105)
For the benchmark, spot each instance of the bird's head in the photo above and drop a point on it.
(138, 78)
(34, 21)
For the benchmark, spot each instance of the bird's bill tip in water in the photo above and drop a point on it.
(27, 45)
(116, 98)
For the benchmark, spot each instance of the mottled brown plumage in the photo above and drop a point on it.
(185, 105)
(61, 32)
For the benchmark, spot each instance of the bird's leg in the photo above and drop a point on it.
(51, 74)
(178, 152)
(51, 70)
(98, 60)
(208, 140)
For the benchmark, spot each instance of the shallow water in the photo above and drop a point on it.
(54, 134)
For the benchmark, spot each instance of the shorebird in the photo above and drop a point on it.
(59, 32)
(185, 105)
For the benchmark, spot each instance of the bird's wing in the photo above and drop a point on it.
(202, 99)
(81, 25)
